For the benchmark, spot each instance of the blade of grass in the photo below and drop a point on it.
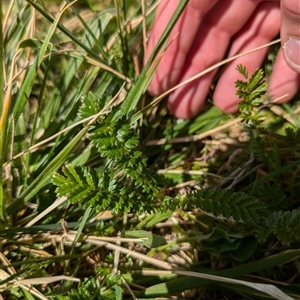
(81, 226)
(68, 89)
(141, 85)
(45, 175)
(59, 160)
(23, 95)
(1, 111)
(273, 174)
(199, 279)
(64, 30)
(26, 86)
(261, 264)
(181, 284)
(30, 77)
(1, 60)
(91, 33)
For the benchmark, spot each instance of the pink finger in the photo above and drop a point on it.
(180, 40)
(284, 82)
(261, 28)
(209, 47)
(290, 32)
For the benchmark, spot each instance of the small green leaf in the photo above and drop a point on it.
(152, 240)
(30, 43)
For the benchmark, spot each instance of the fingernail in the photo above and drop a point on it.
(291, 51)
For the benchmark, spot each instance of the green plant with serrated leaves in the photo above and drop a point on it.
(251, 92)
(109, 288)
(284, 225)
(123, 181)
(226, 203)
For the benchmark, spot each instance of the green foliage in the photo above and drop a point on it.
(292, 141)
(239, 247)
(272, 195)
(123, 182)
(251, 92)
(226, 203)
(258, 144)
(91, 288)
(151, 240)
(284, 225)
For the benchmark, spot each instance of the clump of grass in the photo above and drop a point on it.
(106, 196)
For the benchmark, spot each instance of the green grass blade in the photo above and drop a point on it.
(271, 175)
(2, 203)
(64, 30)
(31, 75)
(261, 264)
(185, 283)
(81, 226)
(91, 33)
(1, 59)
(45, 175)
(141, 85)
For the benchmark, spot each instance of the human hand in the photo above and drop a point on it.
(206, 31)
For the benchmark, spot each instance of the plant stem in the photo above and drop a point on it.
(2, 128)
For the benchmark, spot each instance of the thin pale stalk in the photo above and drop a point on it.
(1, 108)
